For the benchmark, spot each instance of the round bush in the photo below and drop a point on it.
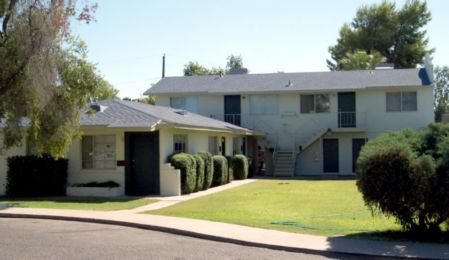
(240, 167)
(220, 170)
(187, 164)
(199, 172)
(398, 176)
(209, 169)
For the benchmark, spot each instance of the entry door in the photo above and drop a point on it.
(232, 108)
(330, 155)
(223, 146)
(357, 145)
(346, 109)
(142, 163)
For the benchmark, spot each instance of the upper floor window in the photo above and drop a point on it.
(180, 143)
(264, 104)
(318, 103)
(401, 101)
(98, 152)
(189, 103)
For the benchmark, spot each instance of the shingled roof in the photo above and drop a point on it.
(120, 113)
(285, 82)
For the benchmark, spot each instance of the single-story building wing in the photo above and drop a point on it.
(129, 143)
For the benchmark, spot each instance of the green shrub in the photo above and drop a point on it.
(240, 167)
(33, 176)
(209, 169)
(220, 170)
(200, 165)
(187, 164)
(229, 173)
(406, 175)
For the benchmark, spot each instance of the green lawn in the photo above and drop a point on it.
(104, 204)
(314, 207)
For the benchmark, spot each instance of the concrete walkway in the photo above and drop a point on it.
(169, 201)
(242, 235)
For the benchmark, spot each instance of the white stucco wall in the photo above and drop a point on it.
(4, 154)
(197, 141)
(289, 128)
(310, 161)
(77, 174)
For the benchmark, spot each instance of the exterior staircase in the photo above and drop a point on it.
(284, 161)
(284, 165)
(312, 139)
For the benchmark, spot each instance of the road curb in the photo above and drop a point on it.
(175, 231)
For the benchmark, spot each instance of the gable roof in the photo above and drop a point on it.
(285, 82)
(120, 113)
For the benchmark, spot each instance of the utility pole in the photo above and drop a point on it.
(163, 66)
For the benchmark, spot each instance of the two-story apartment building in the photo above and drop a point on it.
(315, 123)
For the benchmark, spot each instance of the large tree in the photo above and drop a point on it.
(397, 34)
(441, 92)
(44, 77)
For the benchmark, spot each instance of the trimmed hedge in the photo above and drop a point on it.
(230, 174)
(240, 167)
(209, 169)
(200, 169)
(220, 170)
(187, 164)
(33, 176)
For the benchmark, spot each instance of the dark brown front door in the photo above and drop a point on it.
(330, 155)
(142, 163)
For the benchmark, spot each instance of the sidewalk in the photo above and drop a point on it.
(242, 235)
(169, 201)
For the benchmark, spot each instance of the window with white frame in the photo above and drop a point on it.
(264, 104)
(180, 143)
(315, 103)
(213, 144)
(98, 152)
(189, 103)
(401, 101)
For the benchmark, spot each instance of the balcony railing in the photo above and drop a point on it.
(234, 119)
(299, 122)
(347, 119)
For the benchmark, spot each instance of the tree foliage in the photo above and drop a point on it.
(44, 75)
(361, 60)
(441, 92)
(397, 34)
(105, 90)
(196, 69)
(150, 100)
(234, 62)
(406, 175)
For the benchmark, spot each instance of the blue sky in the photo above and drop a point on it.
(129, 37)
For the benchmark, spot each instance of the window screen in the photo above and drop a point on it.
(322, 103)
(409, 101)
(307, 104)
(98, 152)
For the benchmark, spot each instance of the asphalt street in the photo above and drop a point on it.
(50, 239)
